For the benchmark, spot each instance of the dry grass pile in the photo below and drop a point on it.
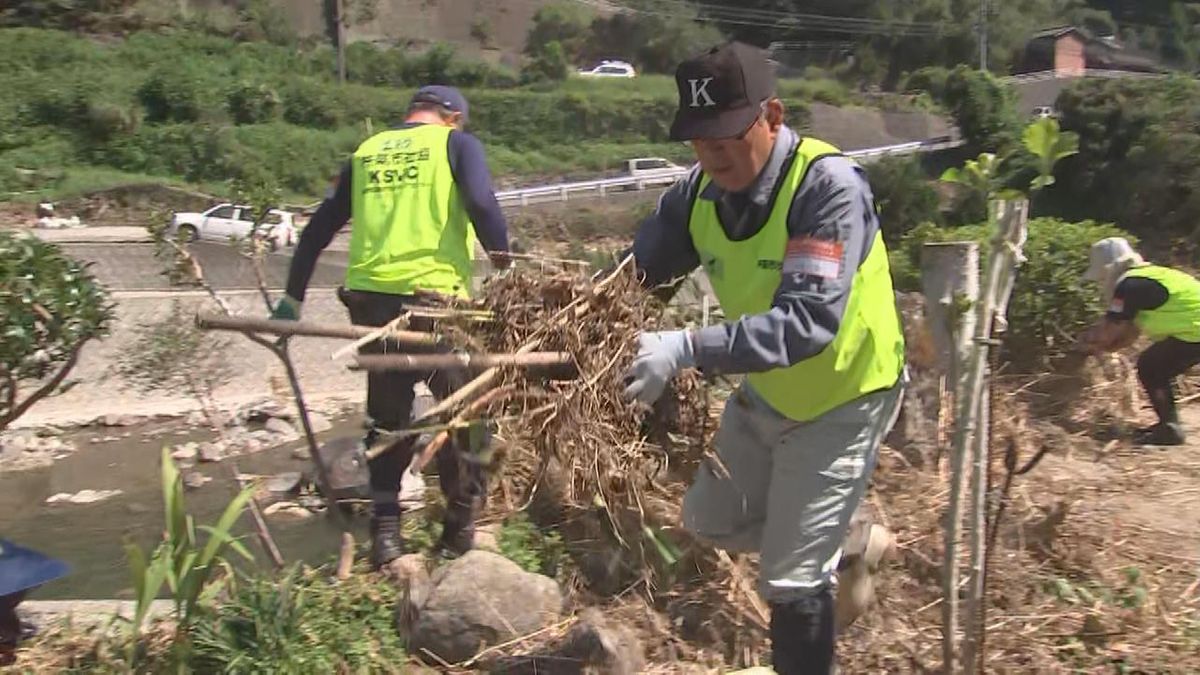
(1094, 564)
(610, 475)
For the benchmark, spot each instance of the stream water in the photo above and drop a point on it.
(91, 537)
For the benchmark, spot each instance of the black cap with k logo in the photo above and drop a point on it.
(720, 92)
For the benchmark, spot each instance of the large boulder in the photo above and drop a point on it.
(482, 599)
(594, 645)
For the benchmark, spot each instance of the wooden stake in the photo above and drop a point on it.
(241, 324)
(950, 281)
(405, 362)
(346, 556)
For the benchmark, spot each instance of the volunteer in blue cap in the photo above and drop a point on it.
(419, 195)
(21, 570)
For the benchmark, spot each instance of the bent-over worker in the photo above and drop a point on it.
(418, 196)
(1161, 302)
(786, 230)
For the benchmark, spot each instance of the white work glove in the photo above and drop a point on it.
(659, 357)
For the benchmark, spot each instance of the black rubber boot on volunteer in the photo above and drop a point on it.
(802, 635)
(1163, 433)
(386, 543)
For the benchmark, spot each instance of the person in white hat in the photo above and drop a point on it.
(1162, 303)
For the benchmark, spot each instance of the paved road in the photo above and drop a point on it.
(133, 266)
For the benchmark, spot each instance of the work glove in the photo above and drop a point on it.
(660, 356)
(287, 309)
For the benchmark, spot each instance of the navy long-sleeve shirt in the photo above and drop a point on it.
(834, 204)
(468, 165)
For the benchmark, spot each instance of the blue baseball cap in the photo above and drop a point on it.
(22, 569)
(448, 97)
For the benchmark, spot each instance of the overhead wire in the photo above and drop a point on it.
(710, 13)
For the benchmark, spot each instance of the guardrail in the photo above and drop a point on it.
(1043, 75)
(605, 186)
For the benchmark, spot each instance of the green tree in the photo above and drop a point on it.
(548, 64)
(567, 23)
(983, 108)
(50, 307)
(904, 196)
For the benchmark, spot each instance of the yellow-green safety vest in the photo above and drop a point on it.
(1179, 316)
(410, 230)
(866, 355)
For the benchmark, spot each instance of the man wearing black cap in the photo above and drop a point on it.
(787, 233)
(418, 195)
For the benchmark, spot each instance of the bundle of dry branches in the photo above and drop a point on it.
(610, 475)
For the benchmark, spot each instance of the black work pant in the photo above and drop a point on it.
(389, 407)
(1158, 366)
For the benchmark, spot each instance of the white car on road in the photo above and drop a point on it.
(610, 69)
(226, 221)
(653, 171)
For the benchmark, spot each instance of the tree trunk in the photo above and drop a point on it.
(1011, 219)
(340, 26)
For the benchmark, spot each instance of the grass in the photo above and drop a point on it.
(301, 621)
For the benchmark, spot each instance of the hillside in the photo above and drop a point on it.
(494, 30)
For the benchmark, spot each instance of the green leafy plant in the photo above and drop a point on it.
(1050, 304)
(50, 307)
(1048, 145)
(172, 355)
(979, 174)
(301, 622)
(533, 549)
(193, 570)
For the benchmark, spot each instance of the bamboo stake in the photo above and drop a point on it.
(405, 362)
(208, 321)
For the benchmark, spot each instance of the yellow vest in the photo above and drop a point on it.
(410, 230)
(866, 355)
(1179, 317)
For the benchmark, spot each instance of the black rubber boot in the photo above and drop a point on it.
(386, 543)
(802, 635)
(458, 531)
(1163, 433)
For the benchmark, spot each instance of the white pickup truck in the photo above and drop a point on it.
(225, 221)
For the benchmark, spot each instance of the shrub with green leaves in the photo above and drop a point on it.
(50, 306)
(253, 103)
(1050, 303)
(535, 550)
(903, 194)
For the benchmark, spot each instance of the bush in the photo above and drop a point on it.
(983, 108)
(904, 196)
(51, 306)
(176, 93)
(1050, 301)
(567, 23)
(253, 103)
(931, 79)
(549, 64)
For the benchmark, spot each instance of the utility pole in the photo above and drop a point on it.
(983, 34)
(340, 35)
